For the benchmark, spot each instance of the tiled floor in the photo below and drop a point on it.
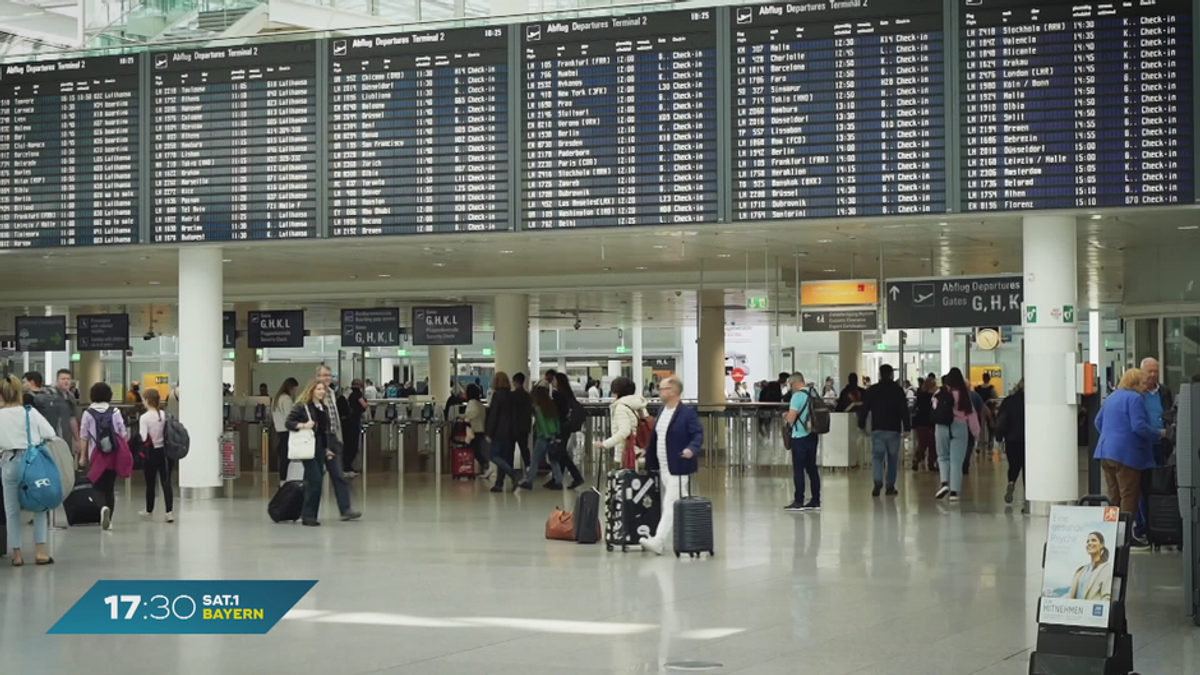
(452, 579)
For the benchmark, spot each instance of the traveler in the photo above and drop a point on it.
(1127, 435)
(981, 440)
(593, 390)
(803, 445)
(772, 392)
(58, 407)
(285, 400)
(101, 424)
(312, 411)
(987, 390)
(357, 406)
(454, 402)
(546, 435)
(830, 390)
(264, 390)
(887, 408)
(476, 417)
(677, 440)
(957, 418)
(1010, 428)
(785, 393)
(851, 397)
(571, 418)
(371, 392)
(157, 467)
(524, 416)
(626, 409)
(13, 444)
(333, 466)
(1159, 401)
(134, 395)
(922, 422)
(501, 428)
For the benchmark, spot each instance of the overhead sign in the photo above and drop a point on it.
(844, 320)
(660, 364)
(97, 332)
(954, 302)
(442, 325)
(757, 302)
(1077, 582)
(229, 330)
(376, 327)
(839, 293)
(276, 329)
(41, 333)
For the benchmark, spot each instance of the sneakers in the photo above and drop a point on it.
(652, 544)
(575, 484)
(812, 506)
(170, 517)
(105, 518)
(311, 523)
(1008, 493)
(497, 488)
(350, 474)
(794, 506)
(145, 515)
(351, 515)
(943, 491)
(525, 485)
(552, 485)
(1139, 541)
(892, 491)
(953, 496)
(877, 490)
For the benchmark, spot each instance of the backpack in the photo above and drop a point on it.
(52, 407)
(639, 438)
(818, 414)
(943, 413)
(176, 440)
(105, 436)
(39, 482)
(576, 416)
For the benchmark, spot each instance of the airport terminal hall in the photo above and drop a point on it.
(591, 337)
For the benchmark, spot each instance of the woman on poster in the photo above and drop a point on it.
(1093, 581)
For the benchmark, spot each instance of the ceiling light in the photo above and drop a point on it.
(385, 276)
(831, 270)
(439, 264)
(1096, 216)
(639, 267)
(824, 241)
(155, 283)
(506, 252)
(226, 260)
(353, 276)
(145, 257)
(943, 224)
(724, 255)
(659, 247)
(1189, 227)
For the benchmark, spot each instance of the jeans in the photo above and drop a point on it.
(281, 453)
(1016, 460)
(672, 488)
(352, 437)
(314, 475)
(562, 453)
(804, 461)
(10, 466)
(952, 449)
(540, 449)
(341, 490)
(885, 444)
(502, 456)
(523, 446)
(158, 468)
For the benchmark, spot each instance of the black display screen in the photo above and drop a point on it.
(620, 120)
(419, 132)
(1068, 105)
(235, 143)
(838, 112)
(69, 152)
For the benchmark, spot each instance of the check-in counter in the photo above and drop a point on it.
(839, 448)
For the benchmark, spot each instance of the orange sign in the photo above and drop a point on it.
(833, 293)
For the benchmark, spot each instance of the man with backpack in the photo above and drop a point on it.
(57, 405)
(807, 417)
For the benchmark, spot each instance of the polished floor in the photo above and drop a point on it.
(451, 579)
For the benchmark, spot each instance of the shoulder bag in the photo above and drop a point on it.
(302, 443)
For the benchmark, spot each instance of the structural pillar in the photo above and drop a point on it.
(512, 333)
(947, 350)
(849, 357)
(201, 289)
(535, 351)
(440, 372)
(710, 349)
(1052, 454)
(244, 357)
(638, 370)
(89, 371)
(614, 369)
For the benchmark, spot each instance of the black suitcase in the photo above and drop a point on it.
(587, 517)
(693, 525)
(288, 503)
(633, 508)
(1164, 524)
(82, 505)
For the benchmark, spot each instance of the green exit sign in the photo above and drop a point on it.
(76, 357)
(881, 346)
(622, 349)
(757, 303)
(401, 352)
(487, 351)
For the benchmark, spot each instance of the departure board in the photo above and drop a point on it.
(69, 152)
(235, 143)
(620, 120)
(419, 132)
(838, 112)
(1081, 104)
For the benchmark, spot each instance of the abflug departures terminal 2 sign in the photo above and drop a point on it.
(955, 302)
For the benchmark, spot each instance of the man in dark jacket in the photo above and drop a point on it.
(1010, 428)
(887, 407)
(523, 409)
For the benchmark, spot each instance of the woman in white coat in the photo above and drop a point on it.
(627, 407)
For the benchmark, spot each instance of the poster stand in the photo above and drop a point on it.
(1076, 650)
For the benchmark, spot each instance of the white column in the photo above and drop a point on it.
(1095, 340)
(512, 333)
(614, 368)
(639, 378)
(535, 351)
(710, 351)
(439, 373)
(201, 291)
(849, 357)
(1052, 456)
(947, 350)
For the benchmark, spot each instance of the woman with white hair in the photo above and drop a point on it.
(676, 443)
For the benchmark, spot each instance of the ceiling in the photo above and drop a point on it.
(593, 271)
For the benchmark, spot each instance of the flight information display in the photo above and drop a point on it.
(419, 132)
(69, 152)
(838, 112)
(234, 143)
(620, 120)
(1080, 104)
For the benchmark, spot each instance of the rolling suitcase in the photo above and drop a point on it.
(1164, 524)
(82, 505)
(633, 507)
(587, 517)
(693, 525)
(462, 463)
(288, 503)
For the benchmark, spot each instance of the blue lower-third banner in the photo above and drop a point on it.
(181, 607)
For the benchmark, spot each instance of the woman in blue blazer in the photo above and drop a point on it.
(676, 441)
(1126, 440)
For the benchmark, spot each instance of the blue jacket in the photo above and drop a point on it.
(1126, 433)
(683, 433)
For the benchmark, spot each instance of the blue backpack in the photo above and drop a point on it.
(40, 485)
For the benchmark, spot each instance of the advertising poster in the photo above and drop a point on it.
(159, 381)
(995, 371)
(1080, 554)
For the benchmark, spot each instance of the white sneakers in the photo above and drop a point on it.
(105, 518)
(652, 544)
(150, 516)
(170, 517)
